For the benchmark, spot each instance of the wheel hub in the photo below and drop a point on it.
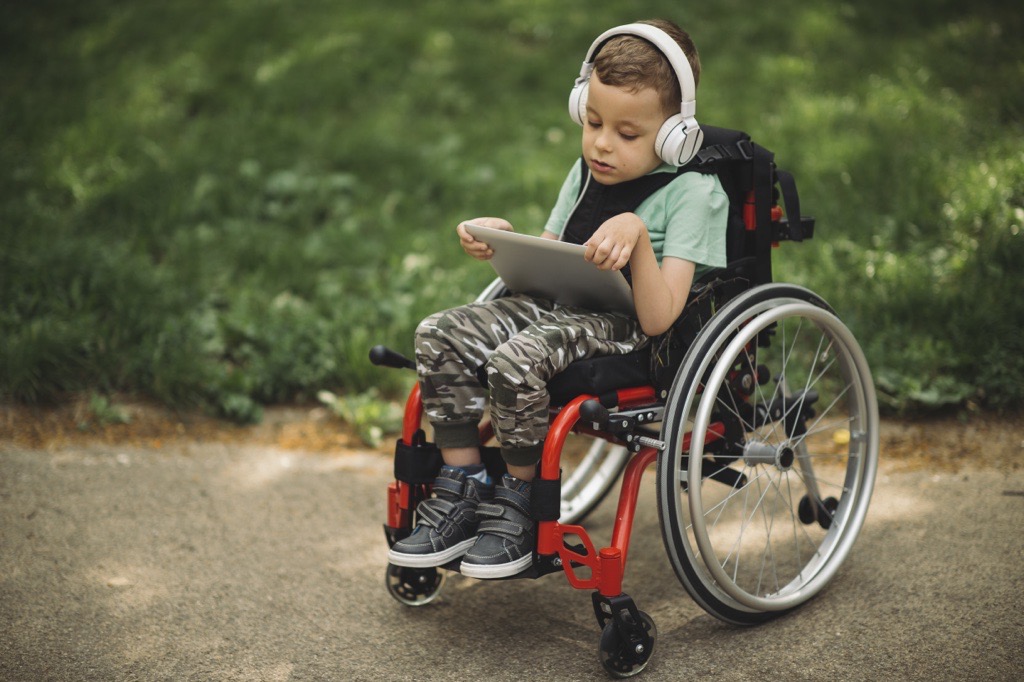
(758, 452)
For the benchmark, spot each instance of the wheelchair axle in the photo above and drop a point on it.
(758, 452)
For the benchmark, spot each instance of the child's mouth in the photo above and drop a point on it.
(601, 166)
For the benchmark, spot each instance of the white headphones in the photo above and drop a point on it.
(680, 137)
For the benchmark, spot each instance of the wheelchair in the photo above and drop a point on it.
(757, 411)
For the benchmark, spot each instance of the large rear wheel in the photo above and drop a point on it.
(772, 444)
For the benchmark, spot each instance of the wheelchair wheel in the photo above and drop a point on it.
(624, 654)
(763, 503)
(413, 586)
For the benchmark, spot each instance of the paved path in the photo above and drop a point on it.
(226, 563)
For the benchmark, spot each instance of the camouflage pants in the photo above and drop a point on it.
(519, 343)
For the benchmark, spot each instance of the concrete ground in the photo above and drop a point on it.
(248, 562)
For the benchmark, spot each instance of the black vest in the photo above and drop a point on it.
(601, 202)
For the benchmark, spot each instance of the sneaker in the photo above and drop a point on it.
(506, 536)
(447, 522)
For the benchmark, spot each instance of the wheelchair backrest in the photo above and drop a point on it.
(754, 186)
(756, 223)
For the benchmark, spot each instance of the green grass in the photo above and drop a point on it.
(225, 203)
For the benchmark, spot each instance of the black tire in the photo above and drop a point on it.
(622, 656)
(413, 586)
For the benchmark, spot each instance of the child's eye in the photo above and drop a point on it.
(593, 124)
(628, 138)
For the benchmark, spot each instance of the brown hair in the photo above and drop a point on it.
(631, 62)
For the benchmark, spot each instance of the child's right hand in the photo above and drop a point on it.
(474, 247)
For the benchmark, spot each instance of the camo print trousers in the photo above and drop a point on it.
(518, 343)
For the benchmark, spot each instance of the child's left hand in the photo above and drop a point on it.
(612, 244)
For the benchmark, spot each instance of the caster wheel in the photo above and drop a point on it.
(826, 511)
(625, 655)
(414, 586)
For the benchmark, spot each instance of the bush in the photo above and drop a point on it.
(231, 213)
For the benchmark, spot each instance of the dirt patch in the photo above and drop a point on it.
(943, 444)
(151, 426)
(954, 443)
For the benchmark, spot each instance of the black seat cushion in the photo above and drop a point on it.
(600, 375)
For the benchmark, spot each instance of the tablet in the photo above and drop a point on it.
(554, 270)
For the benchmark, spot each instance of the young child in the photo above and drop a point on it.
(626, 202)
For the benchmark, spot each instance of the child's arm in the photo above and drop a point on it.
(659, 293)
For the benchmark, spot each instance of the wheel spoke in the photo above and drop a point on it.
(838, 487)
(747, 518)
(814, 429)
(815, 423)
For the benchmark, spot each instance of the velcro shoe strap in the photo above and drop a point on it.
(502, 519)
(513, 499)
(433, 512)
(501, 527)
(451, 486)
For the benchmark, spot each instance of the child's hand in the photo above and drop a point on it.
(612, 244)
(474, 247)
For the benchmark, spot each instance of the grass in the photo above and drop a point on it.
(226, 203)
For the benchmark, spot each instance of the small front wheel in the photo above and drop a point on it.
(624, 654)
(414, 586)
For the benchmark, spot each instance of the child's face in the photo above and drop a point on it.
(619, 133)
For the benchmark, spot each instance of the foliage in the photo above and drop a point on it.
(230, 213)
(367, 413)
(104, 412)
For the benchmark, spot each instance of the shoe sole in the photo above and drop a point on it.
(430, 560)
(490, 571)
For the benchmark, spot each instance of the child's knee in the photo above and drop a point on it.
(428, 325)
(508, 369)
(429, 335)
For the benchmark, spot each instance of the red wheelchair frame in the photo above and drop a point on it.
(606, 566)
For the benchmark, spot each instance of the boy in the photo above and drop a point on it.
(625, 201)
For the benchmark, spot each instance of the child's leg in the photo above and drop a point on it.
(518, 373)
(451, 348)
(519, 370)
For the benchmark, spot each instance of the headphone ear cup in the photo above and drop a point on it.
(678, 140)
(578, 102)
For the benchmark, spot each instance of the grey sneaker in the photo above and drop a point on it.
(447, 522)
(506, 536)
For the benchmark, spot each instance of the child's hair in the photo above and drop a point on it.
(632, 62)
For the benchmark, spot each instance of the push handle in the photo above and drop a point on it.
(382, 356)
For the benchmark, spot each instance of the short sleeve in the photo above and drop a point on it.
(687, 219)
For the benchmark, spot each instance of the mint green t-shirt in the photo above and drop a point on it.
(686, 218)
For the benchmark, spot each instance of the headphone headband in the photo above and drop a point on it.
(666, 45)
